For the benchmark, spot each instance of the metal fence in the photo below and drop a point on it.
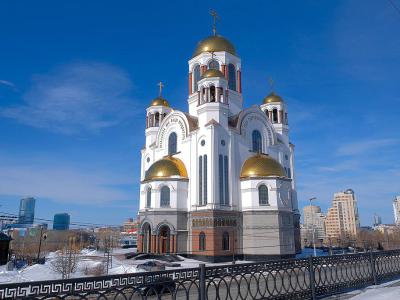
(309, 278)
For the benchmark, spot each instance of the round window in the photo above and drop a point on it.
(223, 142)
(203, 142)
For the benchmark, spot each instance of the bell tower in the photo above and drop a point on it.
(155, 113)
(215, 53)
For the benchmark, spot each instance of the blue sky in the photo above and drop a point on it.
(76, 77)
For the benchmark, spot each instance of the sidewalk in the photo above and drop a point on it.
(386, 291)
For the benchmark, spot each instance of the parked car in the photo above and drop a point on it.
(152, 265)
(159, 286)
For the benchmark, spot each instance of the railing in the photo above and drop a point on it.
(281, 279)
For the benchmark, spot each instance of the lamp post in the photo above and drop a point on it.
(312, 224)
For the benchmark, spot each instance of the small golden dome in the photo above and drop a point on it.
(212, 73)
(159, 101)
(165, 168)
(261, 165)
(214, 43)
(272, 98)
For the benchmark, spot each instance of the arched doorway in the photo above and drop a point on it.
(164, 239)
(146, 229)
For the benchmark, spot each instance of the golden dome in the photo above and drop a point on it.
(159, 101)
(165, 168)
(272, 98)
(212, 73)
(214, 43)
(261, 165)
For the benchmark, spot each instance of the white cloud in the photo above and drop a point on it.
(361, 147)
(77, 97)
(8, 84)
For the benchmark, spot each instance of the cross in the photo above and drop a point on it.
(271, 83)
(215, 16)
(161, 87)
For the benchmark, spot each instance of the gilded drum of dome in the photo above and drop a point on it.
(159, 101)
(272, 98)
(212, 73)
(261, 165)
(214, 43)
(165, 168)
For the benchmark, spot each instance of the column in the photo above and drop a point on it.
(190, 84)
(239, 81)
(147, 121)
(280, 116)
(207, 94)
(157, 243)
(224, 71)
(270, 115)
(217, 93)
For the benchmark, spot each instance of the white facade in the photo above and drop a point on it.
(200, 157)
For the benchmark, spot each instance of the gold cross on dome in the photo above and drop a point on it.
(271, 83)
(160, 84)
(215, 16)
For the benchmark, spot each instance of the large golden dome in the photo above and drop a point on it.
(212, 73)
(214, 43)
(272, 98)
(261, 165)
(165, 168)
(159, 101)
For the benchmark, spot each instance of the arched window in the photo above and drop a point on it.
(165, 195)
(225, 241)
(257, 141)
(172, 141)
(274, 115)
(212, 93)
(263, 195)
(148, 197)
(157, 119)
(213, 64)
(202, 241)
(232, 77)
(196, 77)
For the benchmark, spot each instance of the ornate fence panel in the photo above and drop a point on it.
(283, 279)
(280, 279)
(387, 264)
(337, 273)
(182, 284)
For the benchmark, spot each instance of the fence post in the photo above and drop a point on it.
(372, 262)
(312, 277)
(202, 283)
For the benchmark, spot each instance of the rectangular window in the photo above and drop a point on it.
(200, 180)
(226, 180)
(205, 181)
(221, 179)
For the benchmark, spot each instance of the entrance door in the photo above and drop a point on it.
(164, 238)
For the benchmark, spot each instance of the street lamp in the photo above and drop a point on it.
(312, 224)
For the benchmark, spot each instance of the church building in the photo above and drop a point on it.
(218, 181)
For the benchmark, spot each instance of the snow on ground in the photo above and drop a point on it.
(386, 293)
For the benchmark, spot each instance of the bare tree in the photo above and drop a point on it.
(66, 260)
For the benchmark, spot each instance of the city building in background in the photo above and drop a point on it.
(61, 221)
(7, 220)
(342, 218)
(396, 210)
(313, 218)
(377, 220)
(26, 211)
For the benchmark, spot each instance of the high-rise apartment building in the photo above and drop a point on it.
(26, 211)
(314, 219)
(396, 210)
(342, 218)
(61, 221)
